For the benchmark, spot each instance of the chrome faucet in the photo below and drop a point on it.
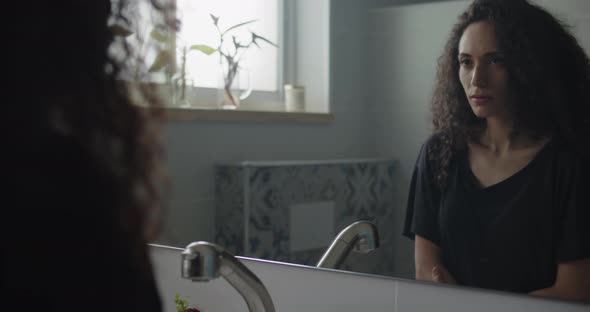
(362, 235)
(203, 261)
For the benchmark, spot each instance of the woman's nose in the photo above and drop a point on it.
(479, 76)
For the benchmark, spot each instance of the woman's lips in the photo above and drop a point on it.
(480, 99)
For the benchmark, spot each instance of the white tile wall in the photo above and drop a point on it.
(296, 288)
(419, 297)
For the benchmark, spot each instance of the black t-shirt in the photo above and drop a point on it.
(511, 235)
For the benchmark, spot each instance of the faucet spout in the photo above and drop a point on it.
(203, 261)
(362, 235)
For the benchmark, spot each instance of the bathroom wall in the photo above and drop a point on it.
(404, 47)
(296, 288)
(290, 211)
(194, 147)
(405, 44)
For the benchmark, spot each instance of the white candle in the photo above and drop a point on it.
(294, 98)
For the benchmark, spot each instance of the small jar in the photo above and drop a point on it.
(294, 98)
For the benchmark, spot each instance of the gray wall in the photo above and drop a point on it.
(405, 44)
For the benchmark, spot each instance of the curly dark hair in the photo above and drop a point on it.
(84, 160)
(549, 75)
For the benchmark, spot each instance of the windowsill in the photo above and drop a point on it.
(197, 114)
(251, 112)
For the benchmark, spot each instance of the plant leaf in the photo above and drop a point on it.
(157, 35)
(215, 19)
(237, 44)
(256, 37)
(163, 59)
(239, 25)
(203, 48)
(253, 40)
(229, 59)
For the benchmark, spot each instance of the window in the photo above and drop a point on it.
(257, 79)
(300, 28)
(198, 28)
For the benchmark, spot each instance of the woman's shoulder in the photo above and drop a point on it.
(566, 152)
(434, 139)
(434, 145)
(563, 159)
(429, 151)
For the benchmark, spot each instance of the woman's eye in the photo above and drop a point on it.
(465, 62)
(496, 60)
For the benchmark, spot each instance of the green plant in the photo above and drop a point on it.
(234, 53)
(181, 303)
(165, 58)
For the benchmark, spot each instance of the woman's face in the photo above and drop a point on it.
(482, 71)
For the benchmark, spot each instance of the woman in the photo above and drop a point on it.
(498, 195)
(82, 162)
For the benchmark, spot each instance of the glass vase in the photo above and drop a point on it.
(234, 85)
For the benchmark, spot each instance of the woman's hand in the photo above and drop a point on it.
(428, 263)
(441, 275)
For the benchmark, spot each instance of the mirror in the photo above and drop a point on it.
(323, 177)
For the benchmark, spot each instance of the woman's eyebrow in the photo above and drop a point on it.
(494, 53)
(489, 54)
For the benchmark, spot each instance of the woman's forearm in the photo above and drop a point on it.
(424, 272)
(434, 273)
(426, 256)
(563, 293)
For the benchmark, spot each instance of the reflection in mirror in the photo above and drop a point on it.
(282, 192)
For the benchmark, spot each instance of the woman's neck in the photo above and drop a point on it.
(498, 136)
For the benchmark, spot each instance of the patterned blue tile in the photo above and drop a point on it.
(360, 191)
